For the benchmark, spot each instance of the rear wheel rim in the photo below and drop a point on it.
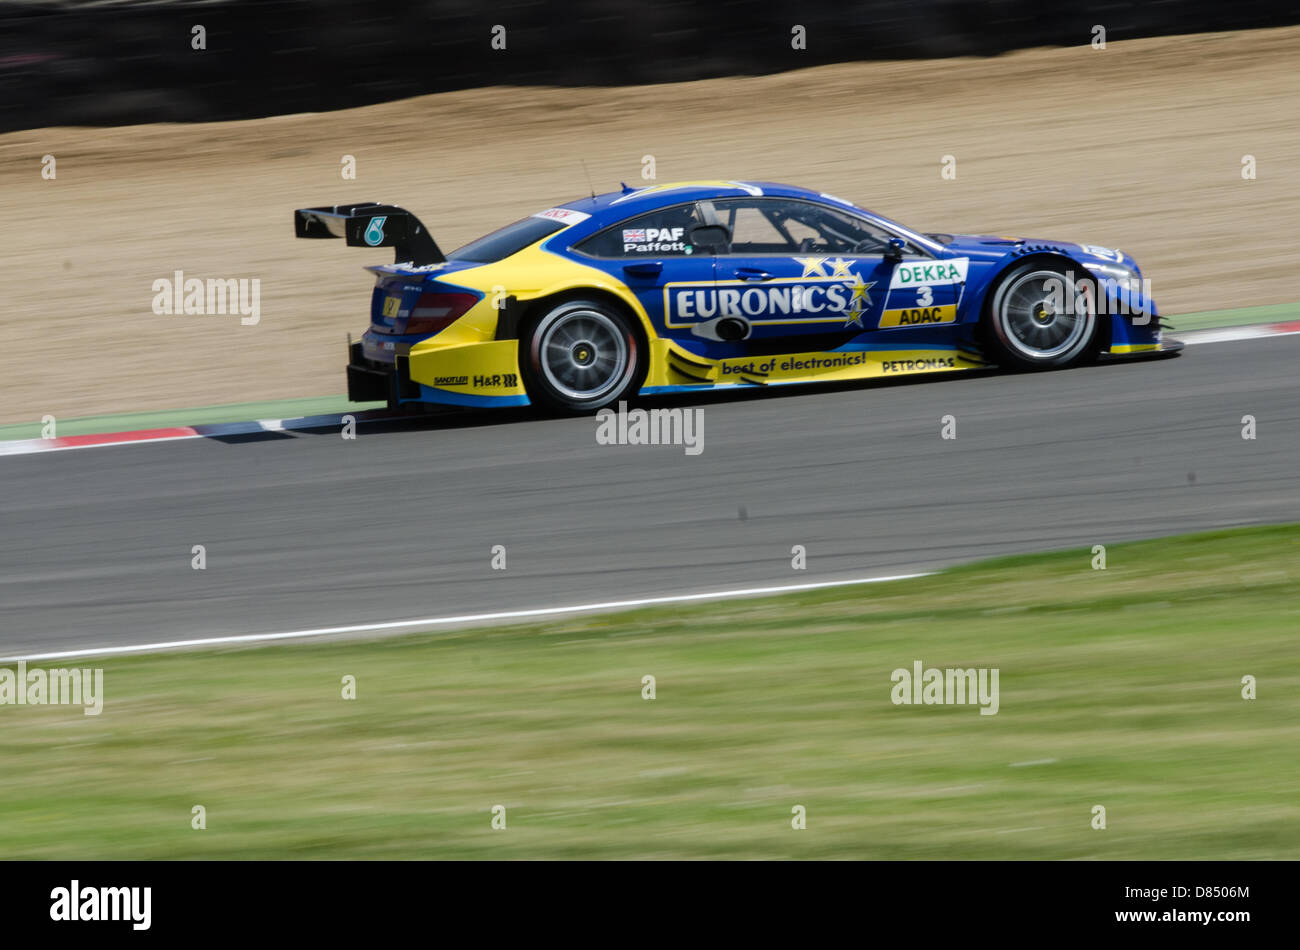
(583, 354)
(1042, 317)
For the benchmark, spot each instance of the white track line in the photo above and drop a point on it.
(1228, 334)
(30, 446)
(460, 619)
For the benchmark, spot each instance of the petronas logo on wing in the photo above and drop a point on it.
(375, 231)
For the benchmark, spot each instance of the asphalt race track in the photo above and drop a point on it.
(308, 530)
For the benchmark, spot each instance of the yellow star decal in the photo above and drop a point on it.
(812, 266)
(861, 300)
(840, 268)
(860, 291)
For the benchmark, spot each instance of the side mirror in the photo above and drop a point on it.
(712, 236)
(894, 250)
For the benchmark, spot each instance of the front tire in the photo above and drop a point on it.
(580, 356)
(1040, 317)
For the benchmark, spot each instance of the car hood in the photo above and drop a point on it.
(995, 246)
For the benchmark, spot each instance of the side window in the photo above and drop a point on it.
(789, 226)
(753, 231)
(661, 233)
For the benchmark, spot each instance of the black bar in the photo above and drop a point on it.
(925, 901)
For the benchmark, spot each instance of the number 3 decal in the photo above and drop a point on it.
(924, 296)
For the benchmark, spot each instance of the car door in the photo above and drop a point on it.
(810, 277)
(653, 255)
(796, 274)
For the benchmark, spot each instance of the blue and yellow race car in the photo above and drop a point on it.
(709, 284)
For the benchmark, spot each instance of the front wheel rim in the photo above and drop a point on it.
(1042, 317)
(583, 354)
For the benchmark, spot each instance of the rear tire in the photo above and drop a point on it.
(580, 356)
(1040, 317)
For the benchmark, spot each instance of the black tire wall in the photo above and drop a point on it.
(63, 62)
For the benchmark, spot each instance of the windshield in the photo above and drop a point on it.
(511, 239)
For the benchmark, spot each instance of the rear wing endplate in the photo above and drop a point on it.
(371, 224)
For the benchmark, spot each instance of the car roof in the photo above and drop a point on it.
(618, 205)
(612, 207)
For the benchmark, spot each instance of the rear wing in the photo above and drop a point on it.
(371, 224)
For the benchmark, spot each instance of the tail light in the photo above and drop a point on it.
(435, 311)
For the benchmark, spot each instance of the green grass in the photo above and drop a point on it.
(1244, 316)
(1123, 685)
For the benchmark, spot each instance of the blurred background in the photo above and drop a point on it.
(73, 62)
